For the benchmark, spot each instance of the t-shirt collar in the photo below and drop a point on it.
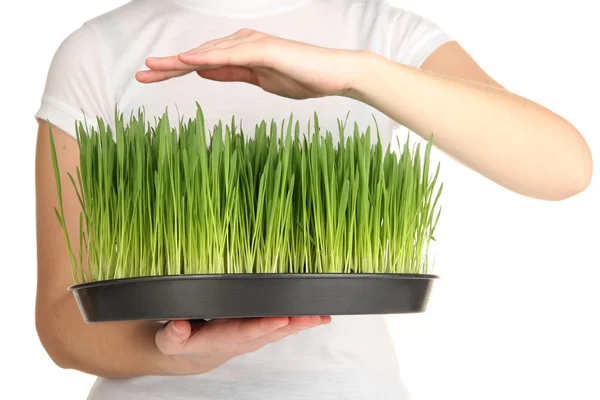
(240, 8)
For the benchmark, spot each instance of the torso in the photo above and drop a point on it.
(354, 356)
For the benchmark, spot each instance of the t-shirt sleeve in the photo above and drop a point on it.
(414, 38)
(78, 85)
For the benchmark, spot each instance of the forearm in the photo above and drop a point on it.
(510, 140)
(110, 350)
(116, 350)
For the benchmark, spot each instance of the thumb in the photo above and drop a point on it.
(171, 337)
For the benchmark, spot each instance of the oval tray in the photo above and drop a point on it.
(251, 295)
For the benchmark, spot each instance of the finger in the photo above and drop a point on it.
(241, 34)
(150, 76)
(223, 336)
(242, 55)
(209, 44)
(222, 74)
(247, 329)
(229, 74)
(296, 325)
(171, 338)
(173, 62)
(304, 322)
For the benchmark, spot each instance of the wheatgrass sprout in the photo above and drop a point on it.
(167, 200)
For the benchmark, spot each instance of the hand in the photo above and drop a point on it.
(204, 346)
(284, 67)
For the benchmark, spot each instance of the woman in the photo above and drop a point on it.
(261, 60)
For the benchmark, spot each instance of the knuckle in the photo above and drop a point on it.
(167, 347)
(260, 35)
(245, 32)
(249, 332)
(265, 325)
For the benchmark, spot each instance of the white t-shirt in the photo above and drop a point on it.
(93, 71)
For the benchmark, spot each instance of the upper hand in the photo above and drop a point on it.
(208, 345)
(284, 67)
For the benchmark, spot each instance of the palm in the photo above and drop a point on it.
(285, 85)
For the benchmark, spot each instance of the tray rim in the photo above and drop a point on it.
(251, 276)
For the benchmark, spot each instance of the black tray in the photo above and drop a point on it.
(251, 295)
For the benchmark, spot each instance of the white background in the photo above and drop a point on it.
(515, 315)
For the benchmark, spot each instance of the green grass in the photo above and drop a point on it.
(159, 199)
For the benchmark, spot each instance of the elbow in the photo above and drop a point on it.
(53, 343)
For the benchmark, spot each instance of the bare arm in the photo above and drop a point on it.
(122, 349)
(509, 139)
(103, 349)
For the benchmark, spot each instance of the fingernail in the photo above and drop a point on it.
(283, 323)
(177, 331)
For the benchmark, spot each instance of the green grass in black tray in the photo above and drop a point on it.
(164, 200)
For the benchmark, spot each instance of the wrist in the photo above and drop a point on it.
(373, 76)
(364, 64)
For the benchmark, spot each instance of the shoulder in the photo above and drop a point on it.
(393, 20)
(95, 34)
(394, 32)
(80, 76)
(101, 43)
(381, 10)
(118, 27)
